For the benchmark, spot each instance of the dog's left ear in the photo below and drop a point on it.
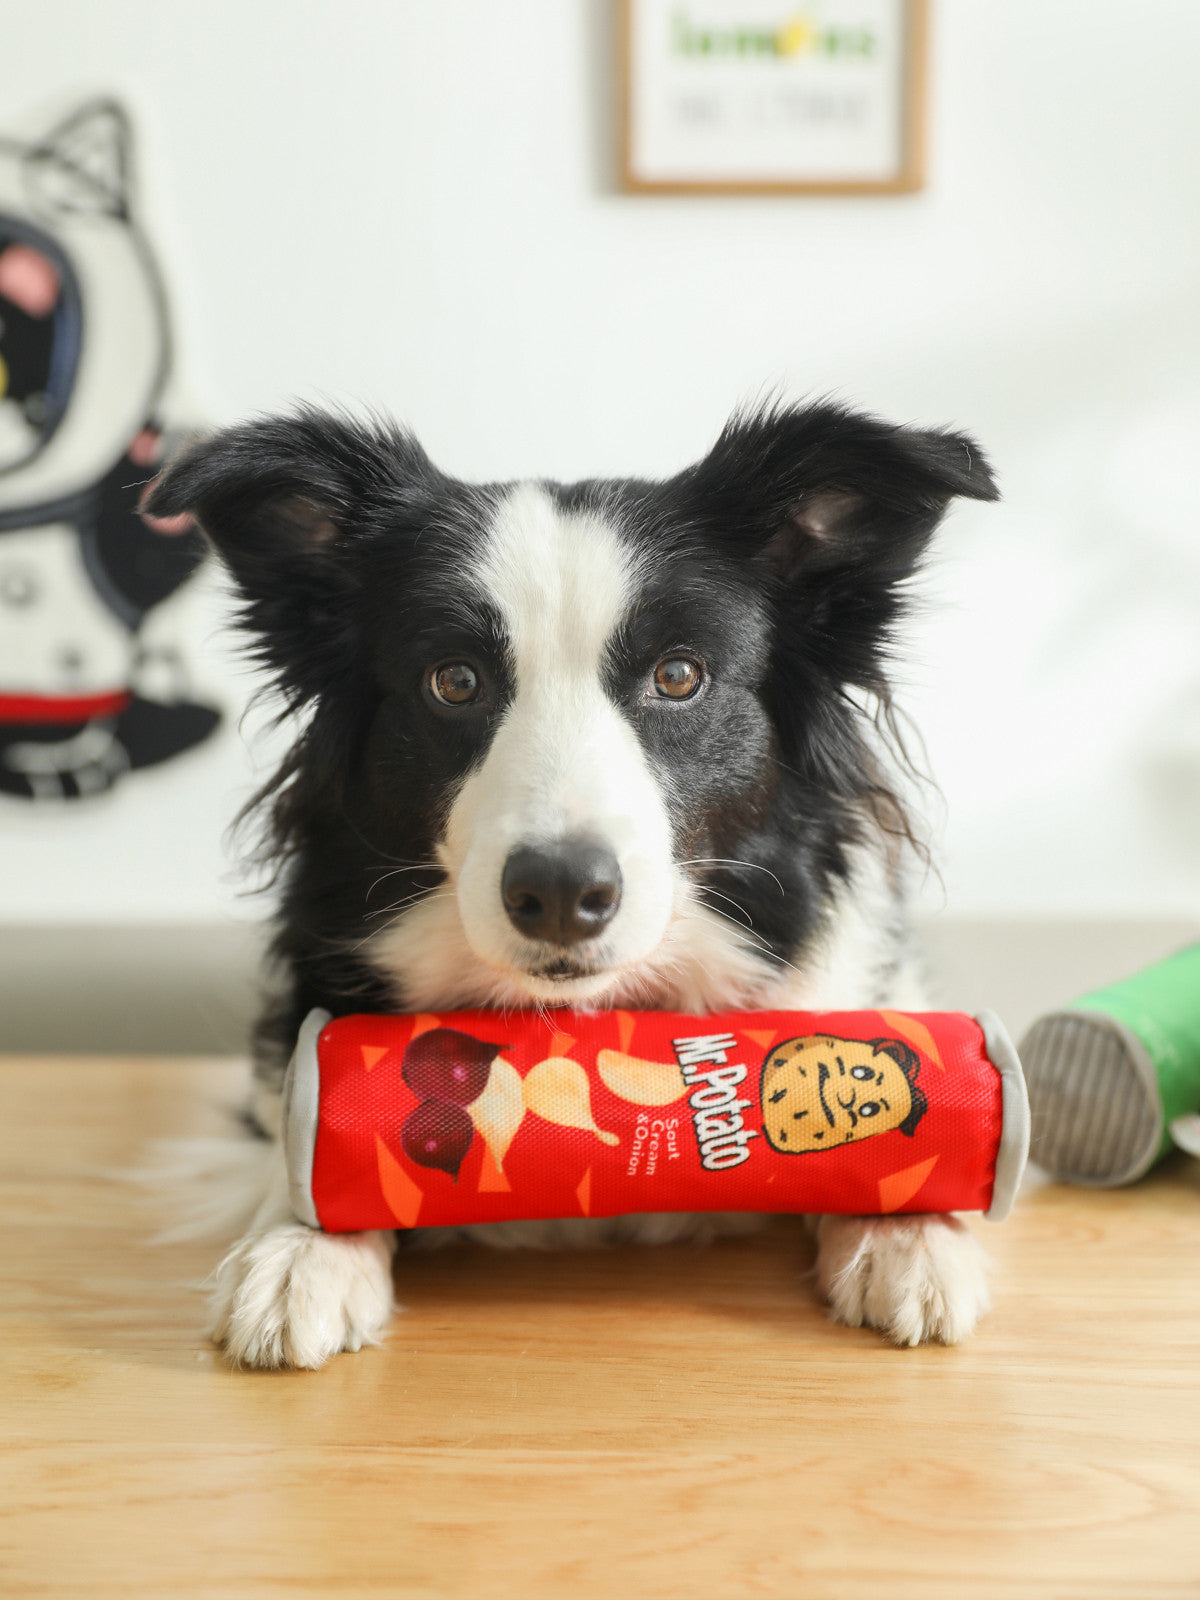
(836, 505)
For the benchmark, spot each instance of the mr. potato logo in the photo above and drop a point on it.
(815, 1093)
(819, 1092)
(722, 1136)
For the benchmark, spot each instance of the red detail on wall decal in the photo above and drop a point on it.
(63, 708)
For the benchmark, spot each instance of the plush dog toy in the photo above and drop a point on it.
(483, 1116)
(1114, 1079)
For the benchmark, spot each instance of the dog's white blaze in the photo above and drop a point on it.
(563, 582)
(564, 761)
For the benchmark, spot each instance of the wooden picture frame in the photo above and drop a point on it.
(715, 95)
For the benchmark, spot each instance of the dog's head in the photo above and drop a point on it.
(557, 720)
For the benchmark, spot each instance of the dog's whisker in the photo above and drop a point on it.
(707, 889)
(406, 866)
(420, 889)
(704, 889)
(715, 911)
(730, 861)
(762, 941)
(760, 946)
(352, 947)
(398, 905)
(427, 863)
(424, 896)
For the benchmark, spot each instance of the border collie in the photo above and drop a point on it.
(606, 743)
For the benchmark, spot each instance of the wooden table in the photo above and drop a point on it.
(632, 1422)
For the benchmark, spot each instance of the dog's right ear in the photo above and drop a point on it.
(286, 502)
(274, 497)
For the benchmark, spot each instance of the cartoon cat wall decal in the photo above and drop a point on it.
(84, 355)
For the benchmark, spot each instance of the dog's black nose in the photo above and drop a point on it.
(561, 892)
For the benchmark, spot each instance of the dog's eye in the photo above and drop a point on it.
(869, 1108)
(677, 678)
(455, 683)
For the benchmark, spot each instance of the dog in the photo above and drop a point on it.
(612, 743)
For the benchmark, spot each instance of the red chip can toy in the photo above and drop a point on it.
(484, 1116)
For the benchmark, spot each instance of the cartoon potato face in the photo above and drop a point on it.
(820, 1092)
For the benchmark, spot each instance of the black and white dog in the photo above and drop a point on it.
(611, 743)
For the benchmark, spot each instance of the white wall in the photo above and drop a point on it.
(410, 202)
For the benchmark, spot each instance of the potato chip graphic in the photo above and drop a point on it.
(557, 1090)
(645, 1083)
(500, 1109)
(820, 1092)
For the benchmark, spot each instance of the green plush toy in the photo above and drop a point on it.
(1114, 1080)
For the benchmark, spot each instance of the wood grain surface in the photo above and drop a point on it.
(627, 1422)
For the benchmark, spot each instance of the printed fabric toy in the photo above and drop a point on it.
(483, 1116)
(1114, 1080)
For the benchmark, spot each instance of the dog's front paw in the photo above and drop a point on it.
(291, 1297)
(912, 1277)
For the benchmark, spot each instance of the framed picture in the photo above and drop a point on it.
(773, 96)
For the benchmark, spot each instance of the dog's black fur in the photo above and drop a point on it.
(780, 559)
